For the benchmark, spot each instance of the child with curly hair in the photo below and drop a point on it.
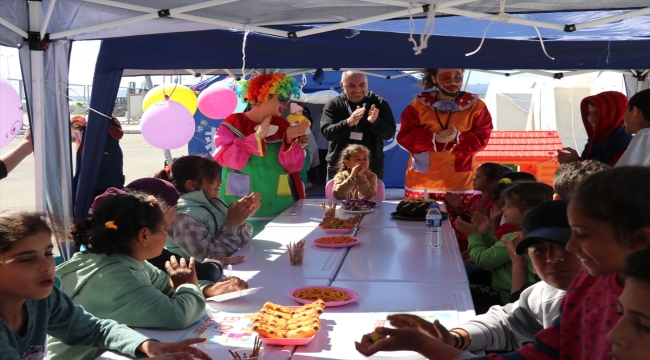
(354, 179)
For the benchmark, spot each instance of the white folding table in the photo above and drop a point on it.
(400, 254)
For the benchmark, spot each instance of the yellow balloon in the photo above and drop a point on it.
(181, 94)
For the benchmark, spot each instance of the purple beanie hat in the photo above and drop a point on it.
(158, 188)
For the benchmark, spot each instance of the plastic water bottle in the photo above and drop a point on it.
(434, 224)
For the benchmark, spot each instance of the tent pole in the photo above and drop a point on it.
(367, 20)
(37, 107)
(48, 15)
(510, 19)
(13, 28)
(609, 19)
(152, 14)
(230, 24)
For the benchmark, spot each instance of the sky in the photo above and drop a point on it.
(84, 57)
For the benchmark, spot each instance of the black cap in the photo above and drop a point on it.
(546, 221)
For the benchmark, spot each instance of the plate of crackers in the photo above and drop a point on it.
(288, 325)
(334, 225)
(331, 295)
(336, 241)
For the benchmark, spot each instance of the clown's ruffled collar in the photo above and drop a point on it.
(463, 102)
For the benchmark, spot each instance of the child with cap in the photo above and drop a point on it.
(503, 328)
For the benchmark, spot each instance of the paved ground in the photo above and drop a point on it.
(17, 191)
(140, 160)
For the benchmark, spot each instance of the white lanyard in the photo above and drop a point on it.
(347, 103)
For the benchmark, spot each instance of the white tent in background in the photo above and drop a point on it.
(544, 103)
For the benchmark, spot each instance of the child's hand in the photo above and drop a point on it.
(293, 132)
(373, 114)
(496, 213)
(355, 171)
(177, 350)
(481, 222)
(454, 201)
(180, 272)
(225, 260)
(411, 321)
(239, 211)
(397, 340)
(511, 245)
(465, 227)
(225, 286)
(264, 128)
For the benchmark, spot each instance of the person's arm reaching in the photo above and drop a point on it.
(10, 160)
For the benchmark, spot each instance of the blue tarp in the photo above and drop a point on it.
(346, 48)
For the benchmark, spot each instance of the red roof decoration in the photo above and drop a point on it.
(522, 145)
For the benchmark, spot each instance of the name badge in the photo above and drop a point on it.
(356, 135)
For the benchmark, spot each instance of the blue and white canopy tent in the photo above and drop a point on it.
(608, 34)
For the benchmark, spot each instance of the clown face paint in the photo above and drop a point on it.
(449, 81)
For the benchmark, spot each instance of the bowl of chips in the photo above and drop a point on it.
(335, 241)
(331, 295)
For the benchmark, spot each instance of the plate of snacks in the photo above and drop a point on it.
(361, 206)
(336, 241)
(288, 325)
(342, 226)
(331, 295)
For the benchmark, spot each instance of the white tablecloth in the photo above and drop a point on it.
(308, 212)
(400, 254)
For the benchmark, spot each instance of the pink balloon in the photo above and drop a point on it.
(167, 125)
(217, 101)
(11, 112)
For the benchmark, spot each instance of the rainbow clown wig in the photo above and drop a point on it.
(258, 89)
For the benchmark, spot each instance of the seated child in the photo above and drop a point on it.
(492, 285)
(628, 341)
(354, 179)
(506, 328)
(112, 279)
(208, 269)
(206, 227)
(637, 121)
(33, 308)
(610, 220)
(568, 176)
(486, 180)
(497, 224)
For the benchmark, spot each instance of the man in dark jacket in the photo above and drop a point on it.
(357, 116)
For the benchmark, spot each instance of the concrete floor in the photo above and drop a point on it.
(17, 191)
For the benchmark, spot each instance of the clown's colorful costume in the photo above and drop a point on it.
(437, 166)
(253, 164)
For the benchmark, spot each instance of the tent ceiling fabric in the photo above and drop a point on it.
(69, 15)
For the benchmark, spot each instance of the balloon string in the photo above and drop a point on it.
(77, 102)
(175, 85)
(164, 95)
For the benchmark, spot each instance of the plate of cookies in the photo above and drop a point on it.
(334, 225)
(331, 295)
(288, 325)
(336, 241)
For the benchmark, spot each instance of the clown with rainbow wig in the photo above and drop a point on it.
(259, 150)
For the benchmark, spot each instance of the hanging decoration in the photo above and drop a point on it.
(217, 101)
(178, 93)
(11, 112)
(167, 125)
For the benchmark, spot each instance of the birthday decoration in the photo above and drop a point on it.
(178, 93)
(167, 125)
(217, 101)
(11, 112)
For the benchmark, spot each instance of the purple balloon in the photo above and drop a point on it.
(167, 125)
(11, 112)
(217, 101)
